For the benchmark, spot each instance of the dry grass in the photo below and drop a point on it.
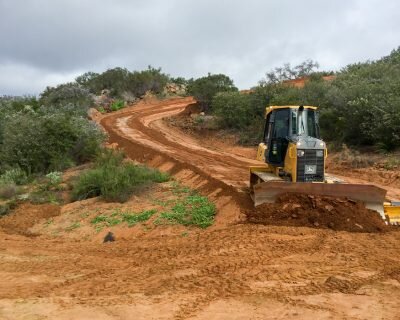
(8, 191)
(353, 158)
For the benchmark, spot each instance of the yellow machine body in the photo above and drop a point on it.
(299, 152)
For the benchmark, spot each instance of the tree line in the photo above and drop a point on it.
(359, 106)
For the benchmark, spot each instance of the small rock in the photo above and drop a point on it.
(329, 207)
(109, 237)
(359, 226)
(296, 205)
(316, 224)
(294, 216)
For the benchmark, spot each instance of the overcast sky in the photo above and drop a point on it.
(47, 42)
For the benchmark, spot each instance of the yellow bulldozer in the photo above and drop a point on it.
(294, 157)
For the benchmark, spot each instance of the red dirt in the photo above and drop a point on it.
(220, 175)
(318, 212)
(229, 271)
(25, 216)
(301, 82)
(212, 139)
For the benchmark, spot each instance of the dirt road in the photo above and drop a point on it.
(168, 148)
(230, 271)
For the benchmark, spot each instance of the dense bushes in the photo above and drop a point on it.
(204, 89)
(114, 179)
(47, 139)
(361, 106)
(114, 80)
(53, 133)
(369, 102)
(240, 112)
(139, 82)
(69, 93)
(122, 83)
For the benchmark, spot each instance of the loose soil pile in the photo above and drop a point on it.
(26, 216)
(318, 212)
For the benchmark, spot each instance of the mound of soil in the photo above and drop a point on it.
(318, 212)
(25, 216)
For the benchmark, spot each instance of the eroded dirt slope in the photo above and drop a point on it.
(234, 270)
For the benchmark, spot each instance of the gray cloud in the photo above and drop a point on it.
(45, 42)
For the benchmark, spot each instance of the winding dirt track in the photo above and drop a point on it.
(220, 175)
(231, 271)
(142, 126)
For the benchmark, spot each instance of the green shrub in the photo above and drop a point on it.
(110, 158)
(17, 176)
(68, 93)
(52, 180)
(204, 89)
(41, 196)
(151, 79)
(113, 179)
(120, 81)
(234, 110)
(240, 112)
(117, 105)
(48, 140)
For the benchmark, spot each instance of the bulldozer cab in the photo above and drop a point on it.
(284, 125)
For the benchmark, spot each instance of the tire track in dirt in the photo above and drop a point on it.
(169, 149)
(221, 176)
(241, 261)
(287, 272)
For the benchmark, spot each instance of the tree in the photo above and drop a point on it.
(287, 72)
(66, 93)
(121, 82)
(88, 81)
(151, 79)
(204, 89)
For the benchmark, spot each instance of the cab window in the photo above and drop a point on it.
(281, 127)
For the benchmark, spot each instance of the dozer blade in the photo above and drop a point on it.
(372, 196)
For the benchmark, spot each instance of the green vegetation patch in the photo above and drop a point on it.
(188, 209)
(113, 179)
(106, 220)
(193, 210)
(117, 105)
(134, 218)
(118, 217)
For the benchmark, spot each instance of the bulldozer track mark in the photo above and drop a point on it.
(277, 268)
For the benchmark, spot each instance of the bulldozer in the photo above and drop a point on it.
(294, 157)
